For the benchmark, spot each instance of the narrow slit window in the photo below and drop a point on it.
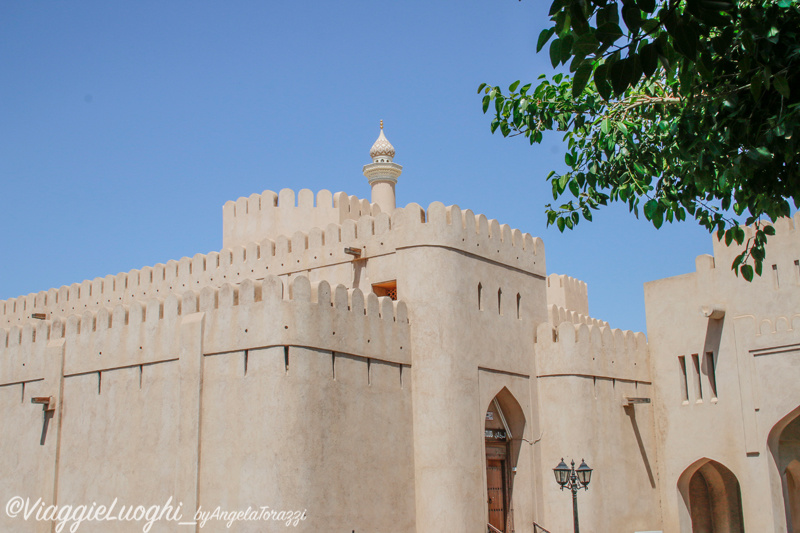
(480, 297)
(712, 374)
(775, 279)
(797, 269)
(499, 301)
(684, 379)
(698, 385)
(519, 299)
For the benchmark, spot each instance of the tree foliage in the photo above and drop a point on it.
(679, 108)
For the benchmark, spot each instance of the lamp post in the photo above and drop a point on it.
(573, 479)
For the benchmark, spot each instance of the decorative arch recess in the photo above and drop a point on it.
(503, 430)
(711, 497)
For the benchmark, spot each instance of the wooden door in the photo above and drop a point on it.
(495, 484)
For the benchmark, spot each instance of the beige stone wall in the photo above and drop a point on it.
(754, 337)
(586, 374)
(223, 397)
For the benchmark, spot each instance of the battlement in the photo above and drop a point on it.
(557, 315)
(591, 350)
(374, 235)
(568, 292)
(252, 314)
(784, 247)
(453, 227)
(270, 214)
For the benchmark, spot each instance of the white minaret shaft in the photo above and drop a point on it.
(382, 173)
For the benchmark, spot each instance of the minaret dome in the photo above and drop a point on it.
(382, 173)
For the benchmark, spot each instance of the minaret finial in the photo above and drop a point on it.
(381, 123)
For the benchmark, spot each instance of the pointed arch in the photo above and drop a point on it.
(503, 430)
(784, 444)
(712, 498)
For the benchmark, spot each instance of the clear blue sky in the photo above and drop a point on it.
(124, 127)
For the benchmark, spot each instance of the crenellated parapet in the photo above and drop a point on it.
(252, 314)
(783, 254)
(270, 214)
(590, 350)
(299, 253)
(568, 292)
(450, 226)
(557, 315)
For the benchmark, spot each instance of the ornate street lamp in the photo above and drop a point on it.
(573, 479)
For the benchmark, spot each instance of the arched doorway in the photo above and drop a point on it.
(503, 429)
(713, 498)
(785, 446)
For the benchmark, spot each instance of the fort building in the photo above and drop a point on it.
(389, 369)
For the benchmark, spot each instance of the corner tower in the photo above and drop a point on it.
(382, 173)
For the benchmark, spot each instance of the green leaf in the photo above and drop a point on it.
(608, 32)
(569, 159)
(781, 85)
(605, 126)
(650, 209)
(585, 45)
(573, 188)
(555, 52)
(632, 16)
(486, 101)
(620, 74)
(480, 87)
(658, 218)
(738, 234)
(649, 58)
(544, 36)
(560, 223)
(513, 86)
(562, 182)
(556, 6)
(581, 79)
(600, 81)
(769, 230)
(747, 272)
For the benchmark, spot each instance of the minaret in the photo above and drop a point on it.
(382, 173)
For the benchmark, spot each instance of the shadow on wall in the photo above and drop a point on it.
(630, 411)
